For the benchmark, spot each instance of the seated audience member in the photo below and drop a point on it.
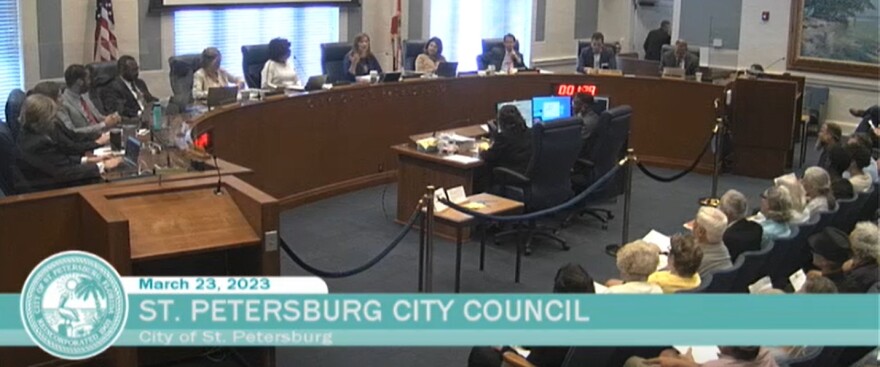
(741, 234)
(829, 136)
(729, 357)
(871, 169)
(685, 257)
(278, 71)
(430, 59)
(817, 284)
(799, 212)
(511, 142)
(709, 226)
(679, 57)
(127, 95)
(211, 75)
(636, 261)
(77, 144)
(862, 270)
(861, 157)
(78, 112)
(839, 161)
(817, 186)
(505, 59)
(776, 209)
(597, 55)
(570, 278)
(360, 60)
(831, 248)
(43, 163)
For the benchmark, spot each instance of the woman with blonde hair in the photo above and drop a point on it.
(776, 209)
(211, 75)
(799, 212)
(44, 163)
(817, 187)
(360, 60)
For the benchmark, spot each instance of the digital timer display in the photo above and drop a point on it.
(569, 90)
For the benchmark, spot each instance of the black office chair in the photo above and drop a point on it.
(102, 74)
(411, 50)
(693, 50)
(546, 183)
(611, 142)
(8, 156)
(488, 45)
(180, 76)
(581, 45)
(753, 268)
(13, 110)
(332, 56)
(253, 58)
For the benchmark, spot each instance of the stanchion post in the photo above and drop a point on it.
(429, 239)
(422, 235)
(719, 150)
(627, 195)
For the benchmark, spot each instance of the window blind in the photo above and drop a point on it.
(462, 24)
(10, 53)
(228, 29)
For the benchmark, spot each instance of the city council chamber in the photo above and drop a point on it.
(448, 146)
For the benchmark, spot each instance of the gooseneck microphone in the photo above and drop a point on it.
(218, 190)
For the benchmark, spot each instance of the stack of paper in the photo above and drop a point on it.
(661, 240)
(463, 159)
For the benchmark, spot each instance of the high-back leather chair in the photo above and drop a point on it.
(253, 58)
(411, 50)
(13, 110)
(8, 156)
(102, 74)
(180, 75)
(332, 56)
(611, 140)
(693, 50)
(488, 45)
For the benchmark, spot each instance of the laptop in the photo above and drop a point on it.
(315, 82)
(447, 69)
(222, 96)
(390, 77)
(673, 73)
(130, 160)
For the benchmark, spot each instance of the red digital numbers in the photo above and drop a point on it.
(568, 90)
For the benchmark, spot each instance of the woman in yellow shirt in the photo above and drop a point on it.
(685, 257)
(430, 59)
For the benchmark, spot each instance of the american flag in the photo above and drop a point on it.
(106, 48)
(396, 45)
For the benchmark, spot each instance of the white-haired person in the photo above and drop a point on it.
(776, 210)
(741, 234)
(862, 270)
(636, 261)
(817, 185)
(798, 196)
(709, 226)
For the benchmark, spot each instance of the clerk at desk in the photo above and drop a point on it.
(681, 58)
(511, 142)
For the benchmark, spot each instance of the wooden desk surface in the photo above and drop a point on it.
(185, 222)
(494, 205)
(409, 149)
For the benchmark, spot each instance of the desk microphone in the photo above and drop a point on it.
(217, 190)
(448, 125)
(298, 65)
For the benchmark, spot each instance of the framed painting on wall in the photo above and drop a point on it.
(835, 37)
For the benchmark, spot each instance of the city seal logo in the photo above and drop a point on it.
(73, 305)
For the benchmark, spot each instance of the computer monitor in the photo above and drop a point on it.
(524, 107)
(601, 104)
(551, 108)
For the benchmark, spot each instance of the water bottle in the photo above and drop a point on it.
(157, 116)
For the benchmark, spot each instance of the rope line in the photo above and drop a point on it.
(682, 173)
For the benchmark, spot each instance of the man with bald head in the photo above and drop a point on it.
(680, 58)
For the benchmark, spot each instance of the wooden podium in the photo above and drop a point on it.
(179, 228)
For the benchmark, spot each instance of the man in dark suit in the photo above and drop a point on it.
(127, 95)
(507, 58)
(680, 58)
(597, 56)
(741, 234)
(656, 39)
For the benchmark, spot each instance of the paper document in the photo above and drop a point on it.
(798, 279)
(701, 354)
(663, 263)
(600, 288)
(457, 195)
(661, 240)
(790, 177)
(762, 284)
(463, 159)
(439, 194)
